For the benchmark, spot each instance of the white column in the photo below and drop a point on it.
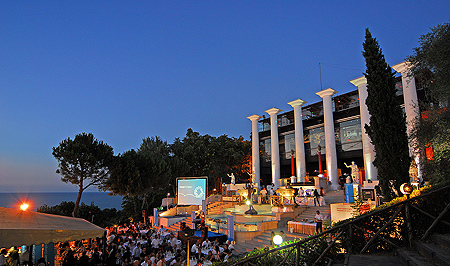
(255, 151)
(368, 148)
(411, 108)
(275, 156)
(299, 139)
(330, 138)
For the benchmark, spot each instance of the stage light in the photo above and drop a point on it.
(248, 202)
(277, 240)
(24, 206)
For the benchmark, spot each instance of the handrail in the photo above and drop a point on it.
(352, 223)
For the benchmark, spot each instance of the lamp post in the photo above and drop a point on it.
(406, 189)
(168, 194)
(277, 240)
(320, 159)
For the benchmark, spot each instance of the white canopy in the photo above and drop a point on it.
(19, 227)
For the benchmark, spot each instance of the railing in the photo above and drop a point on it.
(380, 230)
(282, 200)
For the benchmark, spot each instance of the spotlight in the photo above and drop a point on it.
(248, 202)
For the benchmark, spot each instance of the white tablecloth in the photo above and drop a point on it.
(205, 251)
(309, 201)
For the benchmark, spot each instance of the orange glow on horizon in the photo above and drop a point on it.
(24, 206)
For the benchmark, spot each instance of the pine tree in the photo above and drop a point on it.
(387, 129)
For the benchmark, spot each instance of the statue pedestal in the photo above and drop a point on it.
(320, 182)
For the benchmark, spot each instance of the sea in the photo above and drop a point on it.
(37, 199)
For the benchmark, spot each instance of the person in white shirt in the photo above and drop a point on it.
(155, 242)
(174, 240)
(153, 258)
(263, 194)
(318, 219)
(206, 243)
(195, 247)
(301, 192)
(161, 229)
(230, 246)
(146, 262)
(137, 251)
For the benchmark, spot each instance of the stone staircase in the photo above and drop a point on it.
(174, 228)
(306, 213)
(264, 240)
(436, 251)
(217, 207)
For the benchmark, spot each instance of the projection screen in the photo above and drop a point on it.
(191, 190)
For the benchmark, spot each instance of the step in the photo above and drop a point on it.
(434, 252)
(412, 258)
(442, 240)
(373, 260)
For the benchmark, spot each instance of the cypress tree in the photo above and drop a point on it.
(387, 129)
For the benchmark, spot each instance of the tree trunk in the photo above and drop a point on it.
(77, 203)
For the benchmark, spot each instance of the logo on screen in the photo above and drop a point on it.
(198, 192)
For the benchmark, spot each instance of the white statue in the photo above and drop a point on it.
(233, 179)
(252, 176)
(355, 172)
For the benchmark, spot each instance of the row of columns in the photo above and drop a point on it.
(411, 108)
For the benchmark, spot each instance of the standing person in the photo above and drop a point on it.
(342, 181)
(14, 256)
(301, 192)
(137, 251)
(316, 197)
(318, 219)
(3, 257)
(263, 194)
(25, 257)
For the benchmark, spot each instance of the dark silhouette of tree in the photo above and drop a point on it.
(387, 129)
(431, 64)
(214, 157)
(84, 162)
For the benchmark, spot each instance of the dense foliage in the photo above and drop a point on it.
(433, 57)
(83, 162)
(91, 213)
(387, 129)
(145, 176)
(431, 63)
(214, 157)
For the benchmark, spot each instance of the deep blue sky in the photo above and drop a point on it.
(126, 70)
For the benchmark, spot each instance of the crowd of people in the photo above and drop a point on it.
(138, 245)
(13, 257)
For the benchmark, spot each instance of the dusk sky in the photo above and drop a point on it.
(127, 70)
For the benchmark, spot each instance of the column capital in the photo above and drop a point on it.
(359, 81)
(254, 117)
(273, 111)
(298, 102)
(327, 92)
(403, 67)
